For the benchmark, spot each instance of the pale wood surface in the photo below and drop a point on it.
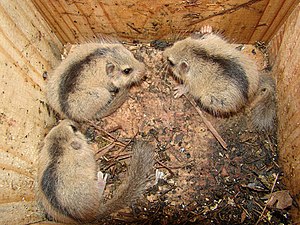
(242, 21)
(27, 49)
(285, 55)
(31, 43)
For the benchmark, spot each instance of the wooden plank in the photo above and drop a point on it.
(73, 19)
(32, 15)
(27, 32)
(286, 70)
(64, 19)
(126, 17)
(244, 21)
(275, 13)
(285, 10)
(266, 20)
(145, 21)
(241, 24)
(227, 17)
(87, 20)
(27, 49)
(99, 19)
(48, 16)
(21, 212)
(55, 20)
(274, 45)
(19, 42)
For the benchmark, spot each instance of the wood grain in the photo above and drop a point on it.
(28, 48)
(242, 21)
(32, 34)
(285, 54)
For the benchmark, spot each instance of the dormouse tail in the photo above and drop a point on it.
(117, 101)
(138, 175)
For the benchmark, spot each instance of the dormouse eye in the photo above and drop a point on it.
(74, 128)
(127, 71)
(170, 62)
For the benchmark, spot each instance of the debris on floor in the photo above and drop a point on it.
(197, 180)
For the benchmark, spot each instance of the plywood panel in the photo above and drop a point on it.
(274, 15)
(285, 53)
(243, 21)
(28, 48)
(281, 16)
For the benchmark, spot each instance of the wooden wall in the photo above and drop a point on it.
(243, 21)
(285, 55)
(27, 49)
(31, 36)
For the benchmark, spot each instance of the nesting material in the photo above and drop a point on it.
(197, 179)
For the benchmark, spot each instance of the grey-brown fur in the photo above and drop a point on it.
(67, 177)
(118, 98)
(87, 81)
(264, 108)
(217, 75)
(133, 186)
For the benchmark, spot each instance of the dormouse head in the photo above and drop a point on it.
(65, 134)
(267, 89)
(178, 58)
(122, 68)
(185, 55)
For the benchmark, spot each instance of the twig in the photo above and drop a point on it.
(125, 156)
(167, 191)
(276, 178)
(121, 144)
(271, 198)
(263, 216)
(245, 211)
(40, 222)
(270, 144)
(208, 124)
(126, 145)
(114, 161)
(171, 167)
(104, 131)
(164, 166)
(258, 205)
(106, 148)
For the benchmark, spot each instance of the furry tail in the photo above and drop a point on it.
(263, 112)
(116, 103)
(139, 174)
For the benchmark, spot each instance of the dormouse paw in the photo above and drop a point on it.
(180, 90)
(101, 181)
(207, 29)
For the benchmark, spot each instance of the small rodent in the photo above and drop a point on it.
(213, 71)
(92, 80)
(222, 79)
(263, 108)
(68, 188)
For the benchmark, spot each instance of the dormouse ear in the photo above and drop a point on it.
(110, 68)
(184, 67)
(76, 145)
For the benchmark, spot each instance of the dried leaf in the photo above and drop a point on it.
(224, 172)
(243, 216)
(280, 199)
